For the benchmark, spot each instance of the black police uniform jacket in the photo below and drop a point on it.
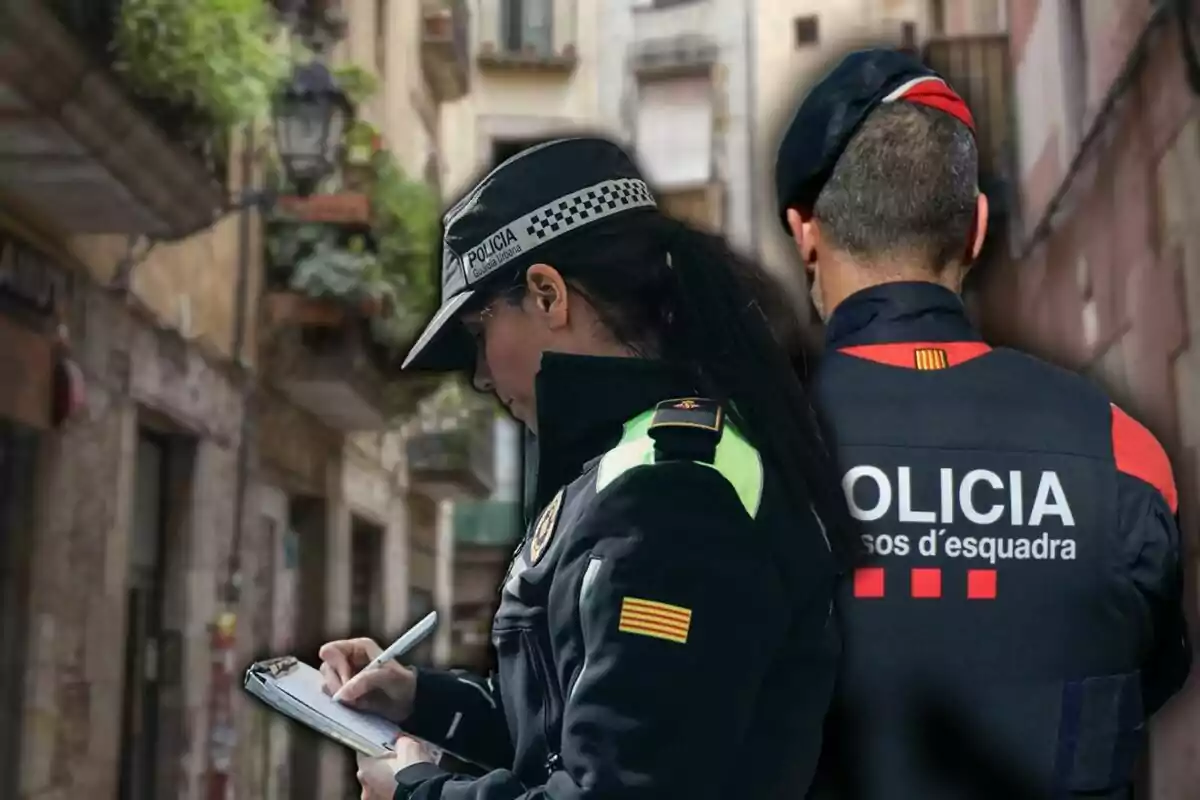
(665, 628)
(1019, 613)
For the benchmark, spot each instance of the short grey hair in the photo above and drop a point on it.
(906, 184)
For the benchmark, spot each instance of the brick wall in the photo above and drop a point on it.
(1114, 287)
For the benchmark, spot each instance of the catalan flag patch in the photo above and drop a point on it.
(930, 358)
(652, 618)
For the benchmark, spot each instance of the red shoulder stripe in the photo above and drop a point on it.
(919, 355)
(1139, 455)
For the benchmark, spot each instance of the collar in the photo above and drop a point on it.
(583, 404)
(899, 312)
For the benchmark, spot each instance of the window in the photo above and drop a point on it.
(675, 132)
(525, 26)
(420, 603)
(381, 37)
(432, 174)
(988, 16)
(937, 17)
(807, 31)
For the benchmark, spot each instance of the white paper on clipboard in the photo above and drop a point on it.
(293, 688)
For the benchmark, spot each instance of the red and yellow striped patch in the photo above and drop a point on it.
(930, 358)
(652, 618)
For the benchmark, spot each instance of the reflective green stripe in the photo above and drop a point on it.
(736, 460)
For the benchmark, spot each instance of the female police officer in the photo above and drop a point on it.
(664, 629)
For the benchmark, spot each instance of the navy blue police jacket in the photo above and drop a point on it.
(666, 621)
(1017, 615)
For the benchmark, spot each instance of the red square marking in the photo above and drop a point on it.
(868, 582)
(981, 584)
(927, 583)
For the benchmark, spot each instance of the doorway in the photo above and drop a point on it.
(309, 520)
(151, 720)
(366, 595)
(18, 459)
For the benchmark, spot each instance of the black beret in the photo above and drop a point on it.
(834, 109)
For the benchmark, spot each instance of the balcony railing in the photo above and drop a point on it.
(528, 34)
(487, 523)
(978, 69)
(454, 463)
(446, 47)
(692, 18)
(684, 54)
(78, 146)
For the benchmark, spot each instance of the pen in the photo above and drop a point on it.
(407, 641)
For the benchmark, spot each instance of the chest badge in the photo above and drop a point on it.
(543, 529)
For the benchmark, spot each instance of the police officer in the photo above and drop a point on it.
(667, 617)
(1018, 615)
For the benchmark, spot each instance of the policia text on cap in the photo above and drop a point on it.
(1019, 613)
(667, 619)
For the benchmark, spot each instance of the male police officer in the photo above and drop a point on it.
(1018, 614)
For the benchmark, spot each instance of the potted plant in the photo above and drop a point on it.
(362, 141)
(227, 59)
(406, 227)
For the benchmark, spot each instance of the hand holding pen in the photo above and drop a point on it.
(364, 676)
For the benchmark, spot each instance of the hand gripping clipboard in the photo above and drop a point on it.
(293, 688)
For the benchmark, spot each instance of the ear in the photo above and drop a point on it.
(807, 236)
(981, 224)
(547, 291)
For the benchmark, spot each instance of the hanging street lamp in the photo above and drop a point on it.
(311, 115)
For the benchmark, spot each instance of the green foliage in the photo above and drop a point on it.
(322, 263)
(361, 143)
(360, 85)
(225, 58)
(407, 226)
(396, 266)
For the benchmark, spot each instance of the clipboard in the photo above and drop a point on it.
(294, 689)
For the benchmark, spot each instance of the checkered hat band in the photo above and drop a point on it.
(567, 213)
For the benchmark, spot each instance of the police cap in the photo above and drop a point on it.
(832, 112)
(549, 191)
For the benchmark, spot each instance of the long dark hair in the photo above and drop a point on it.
(669, 291)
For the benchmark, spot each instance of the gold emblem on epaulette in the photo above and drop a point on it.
(543, 529)
(687, 405)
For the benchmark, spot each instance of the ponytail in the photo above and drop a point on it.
(667, 290)
(722, 327)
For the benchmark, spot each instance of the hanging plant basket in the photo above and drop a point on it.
(287, 308)
(352, 208)
(360, 148)
(377, 306)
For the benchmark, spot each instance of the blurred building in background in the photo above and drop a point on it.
(675, 85)
(1101, 268)
(533, 77)
(202, 459)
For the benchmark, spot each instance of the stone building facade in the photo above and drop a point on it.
(189, 516)
(1103, 269)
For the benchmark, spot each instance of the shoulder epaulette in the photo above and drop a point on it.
(687, 429)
